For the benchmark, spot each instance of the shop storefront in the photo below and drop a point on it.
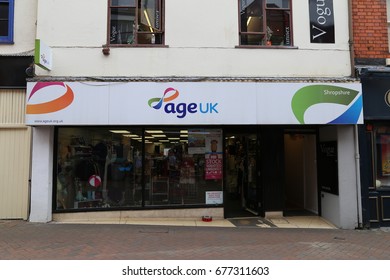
(191, 147)
(15, 137)
(375, 147)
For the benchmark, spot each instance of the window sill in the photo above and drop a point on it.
(106, 48)
(266, 47)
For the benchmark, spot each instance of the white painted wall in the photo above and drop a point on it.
(24, 28)
(42, 175)
(342, 209)
(330, 203)
(347, 177)
(201, 39)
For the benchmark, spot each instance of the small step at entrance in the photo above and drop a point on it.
(282, 222)
(251, 222)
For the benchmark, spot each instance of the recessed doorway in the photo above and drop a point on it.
(301, 192)
(241, 180)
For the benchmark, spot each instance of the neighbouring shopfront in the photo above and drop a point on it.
(375, 147)
(191, 147)
(15, 137)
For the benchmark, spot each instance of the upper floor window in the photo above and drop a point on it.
(136, 22)
(265, 22)
(388, 22)
(6, 21)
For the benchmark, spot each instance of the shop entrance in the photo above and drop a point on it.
(242, 190)
(301, 192)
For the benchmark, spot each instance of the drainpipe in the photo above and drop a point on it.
(358, 183)
(350, 41)
(356, 135)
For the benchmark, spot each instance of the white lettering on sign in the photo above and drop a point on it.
(322, 32)
(322, 12)
(329, 151)
(323, 16)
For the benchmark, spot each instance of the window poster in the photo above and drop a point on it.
(384, 140)
(196, 141)
(215, 197)
(213, 155)
(328, 167)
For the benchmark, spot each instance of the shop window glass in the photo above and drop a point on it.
(6, 21)
(382, 156)
(265, 22)
(388, 22)
(97, 167)
(134, 167)
(135, 22)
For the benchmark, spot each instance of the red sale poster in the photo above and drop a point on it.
(213, 166)
(213, 155)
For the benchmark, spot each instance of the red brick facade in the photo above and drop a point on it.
(370, 29)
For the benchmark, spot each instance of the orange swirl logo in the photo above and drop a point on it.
(51, 106)
(157, 102)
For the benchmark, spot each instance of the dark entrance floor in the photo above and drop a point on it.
(234, 209)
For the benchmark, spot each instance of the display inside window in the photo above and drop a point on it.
(265, 22)
(4, 16)
(6, 21)
(134, 167)
(382, 156)
(135, 22)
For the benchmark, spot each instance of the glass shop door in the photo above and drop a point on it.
(242, 185)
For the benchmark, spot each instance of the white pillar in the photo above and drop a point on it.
(347, 177)
(42, 174)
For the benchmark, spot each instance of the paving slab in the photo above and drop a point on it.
(21, 240)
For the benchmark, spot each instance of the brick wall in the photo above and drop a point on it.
(370, 29)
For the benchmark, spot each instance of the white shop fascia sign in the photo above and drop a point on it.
(182, 103)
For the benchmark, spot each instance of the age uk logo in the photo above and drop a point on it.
(53, 105)
(180, 109)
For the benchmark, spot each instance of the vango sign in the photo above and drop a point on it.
(93, 103)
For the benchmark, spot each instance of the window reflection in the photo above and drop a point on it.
(266, 23)
(135, 167)
(382, 156)
(136, 22)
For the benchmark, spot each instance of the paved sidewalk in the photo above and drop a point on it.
(20, 240)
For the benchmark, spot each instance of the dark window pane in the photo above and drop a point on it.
(251, 16)
(123, 3)
(139, 23)
(4, 10)
(122, 26)
(149, 38)
(278, 26)
(3, 28)
(254, 24)
(158, 38)
(285, 4)
(252, 39)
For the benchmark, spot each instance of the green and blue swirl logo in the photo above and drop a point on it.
(311, 95)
